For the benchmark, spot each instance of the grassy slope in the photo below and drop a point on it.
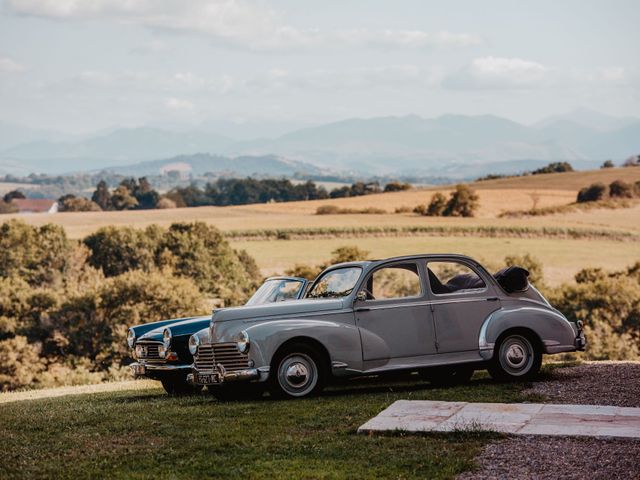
(146, 434)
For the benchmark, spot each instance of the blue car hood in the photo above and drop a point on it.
(181, 326)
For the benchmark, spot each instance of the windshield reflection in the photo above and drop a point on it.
(276, 290)
(336, 283)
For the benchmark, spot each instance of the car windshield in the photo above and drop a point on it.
(336, 283)
(276, 290)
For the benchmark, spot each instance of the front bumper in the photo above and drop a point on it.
(219, 376)
(143, 369)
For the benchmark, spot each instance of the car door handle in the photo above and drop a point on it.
(492, 299)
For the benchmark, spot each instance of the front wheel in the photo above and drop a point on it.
(297, 371)
(517, 357)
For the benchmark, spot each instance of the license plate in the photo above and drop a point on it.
(138, 369)
(206, 378)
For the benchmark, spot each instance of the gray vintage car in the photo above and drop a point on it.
(442, 316)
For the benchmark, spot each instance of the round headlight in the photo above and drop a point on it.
(243, 342)
(131, 338)
(194, 341)
(166, 337)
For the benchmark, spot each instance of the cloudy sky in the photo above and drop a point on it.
(83, 65)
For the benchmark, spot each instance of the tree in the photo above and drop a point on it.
(71, 203)
(437, 205)
(348, 253)
(607, 164)
(463, 202)
(396, 187)
(592, 193)
(620, 189)
(13, 194)
(554, 167)
(122, 199)
(165, 203)
(632, 161)
(102, 196)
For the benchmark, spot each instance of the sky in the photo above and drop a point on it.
(254, 67)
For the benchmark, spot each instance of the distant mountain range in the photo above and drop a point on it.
(457, 146)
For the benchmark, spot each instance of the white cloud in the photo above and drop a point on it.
(179, 104)
(499, 73)
(232, 22)
(8, 65)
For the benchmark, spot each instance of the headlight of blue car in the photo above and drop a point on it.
(194, 341)
(166, 338)
(131, 338)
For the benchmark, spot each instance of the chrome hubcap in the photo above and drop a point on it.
(516, 355)
(297, 374)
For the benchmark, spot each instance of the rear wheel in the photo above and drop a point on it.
(178, 385)
(447, 375)
(297, 371)
(517, 356)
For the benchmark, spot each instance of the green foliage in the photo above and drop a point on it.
(102, 196)
(122, 199)
(607, 164)
(20, 362)
(554, 167)
(36, 254)
(397, 187)
(13, 194)
(592, 193)
(71, 203)
(348, 253)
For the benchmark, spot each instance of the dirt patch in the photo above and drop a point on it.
(593, 383)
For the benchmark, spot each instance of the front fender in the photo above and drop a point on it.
(555, 332)
(341, 340)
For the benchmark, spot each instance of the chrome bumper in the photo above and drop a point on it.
(155, 367)
(223, 376)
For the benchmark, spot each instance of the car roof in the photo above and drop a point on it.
(421, 256)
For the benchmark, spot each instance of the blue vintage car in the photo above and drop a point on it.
(161, 348)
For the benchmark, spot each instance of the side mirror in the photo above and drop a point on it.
(361, 296)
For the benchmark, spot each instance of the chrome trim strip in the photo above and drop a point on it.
(161, 367)
(426, 303)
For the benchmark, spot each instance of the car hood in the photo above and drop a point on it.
(186, 326)
(279, 309)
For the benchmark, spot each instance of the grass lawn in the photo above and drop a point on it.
(146, 434)
(561, 258)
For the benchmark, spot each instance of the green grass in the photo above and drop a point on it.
(146, 434)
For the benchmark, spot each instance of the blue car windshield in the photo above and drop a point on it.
(276, 290)
(336, 283)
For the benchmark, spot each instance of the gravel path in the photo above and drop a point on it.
(597, 383)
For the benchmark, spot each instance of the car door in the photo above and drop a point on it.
(461, 301)
(395, 320)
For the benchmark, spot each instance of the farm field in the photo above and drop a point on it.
(561, 258)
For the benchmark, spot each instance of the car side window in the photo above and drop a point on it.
(396, 281)
(453, 277)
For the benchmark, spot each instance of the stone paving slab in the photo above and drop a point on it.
(514, 418)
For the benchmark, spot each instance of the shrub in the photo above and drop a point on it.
(463, 202)
(437, 205)
(620, 189)
(304, 270)
(420, 209)
(607, 164)
(632, 161)
(165, 203)
(327, 210)
(38, 255)
(403, 209)
(6, 207)
(20, 363)
(71, 203)
(554, 167)
(116, 250)
(348, 253)
(592, 193)
(396, 187)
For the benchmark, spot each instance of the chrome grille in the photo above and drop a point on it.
(226, 354)
(149, 351)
